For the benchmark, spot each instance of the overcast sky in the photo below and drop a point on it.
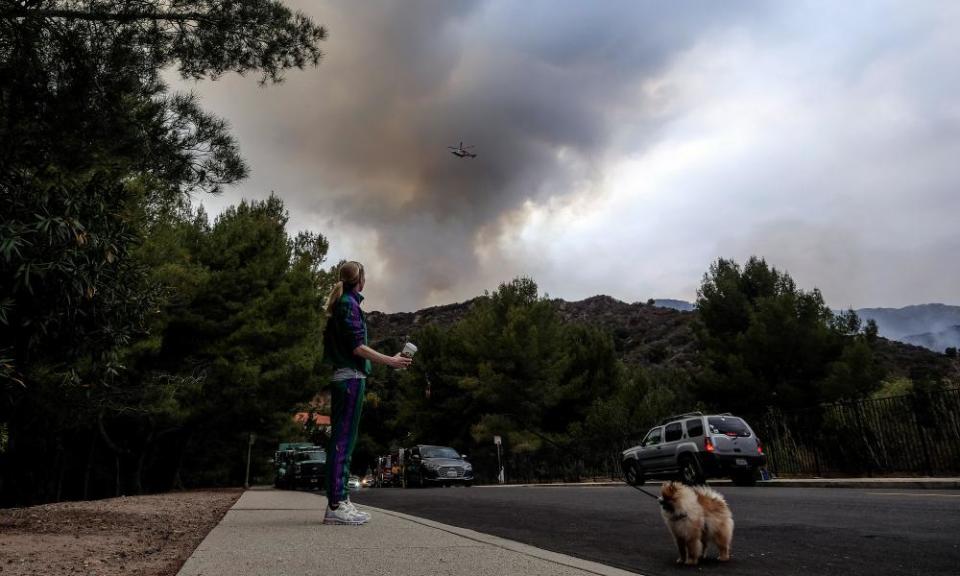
(622, 146)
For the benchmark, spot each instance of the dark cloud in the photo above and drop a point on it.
(555, 95)
(533, 89)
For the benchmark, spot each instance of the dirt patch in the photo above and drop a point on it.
(139, 535)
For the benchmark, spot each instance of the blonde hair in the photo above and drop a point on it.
(351, 274)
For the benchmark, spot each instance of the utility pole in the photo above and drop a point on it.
(246, 482)
(496, 440)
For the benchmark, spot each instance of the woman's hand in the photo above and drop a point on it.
(399, 361)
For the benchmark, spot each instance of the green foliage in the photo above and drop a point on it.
(511, 368)
(871, 332)
(642, 399)
(893, 387)
(70, 291)
(204, 37)
(854, 375)
(768, 343)
(95, 153)
(93, 147)
(245, 328)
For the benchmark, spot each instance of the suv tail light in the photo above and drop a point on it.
(708, 444)
(759, 448)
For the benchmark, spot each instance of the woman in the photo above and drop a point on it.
(345, 346)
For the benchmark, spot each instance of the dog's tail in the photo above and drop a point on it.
(707, 492)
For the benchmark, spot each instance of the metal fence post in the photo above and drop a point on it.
(246, 482)
(923, 440)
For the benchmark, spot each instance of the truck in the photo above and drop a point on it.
(389, 470)
(299, 465)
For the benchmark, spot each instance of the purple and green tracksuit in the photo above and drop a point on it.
(346, 329)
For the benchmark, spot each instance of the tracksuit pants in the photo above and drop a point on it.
(346, 402)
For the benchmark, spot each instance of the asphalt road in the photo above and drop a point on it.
(782, 531)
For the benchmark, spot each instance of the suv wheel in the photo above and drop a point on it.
(690, 473)
(632, 474)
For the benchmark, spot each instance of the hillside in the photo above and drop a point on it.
(906, 360)
(681, 305)
(933, 326)
(644, 335)
(936, 341)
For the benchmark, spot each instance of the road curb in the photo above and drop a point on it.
(551, 485)
(512, 545)
(898, 484)
(894, 483)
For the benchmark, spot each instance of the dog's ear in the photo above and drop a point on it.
(668, 490)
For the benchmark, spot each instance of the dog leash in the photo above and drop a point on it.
(644, 491)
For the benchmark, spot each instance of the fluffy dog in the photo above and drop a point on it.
(696, 516)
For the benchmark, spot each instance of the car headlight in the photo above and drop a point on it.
(468, 468)
(431, 465)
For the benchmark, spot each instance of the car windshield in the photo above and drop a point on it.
(438, 452)
(312, 455)
(653, 437)
(728, 425)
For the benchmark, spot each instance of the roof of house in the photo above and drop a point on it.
(318, 419)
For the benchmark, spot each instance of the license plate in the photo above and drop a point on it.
(741, 461)
(451, 473)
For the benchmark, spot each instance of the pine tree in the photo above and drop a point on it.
(93, 150)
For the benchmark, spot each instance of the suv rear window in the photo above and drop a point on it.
(728, 425)
(672, 432)
(694, 428)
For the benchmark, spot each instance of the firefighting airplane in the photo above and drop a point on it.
(462, 151)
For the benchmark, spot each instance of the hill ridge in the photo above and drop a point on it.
(643, 335)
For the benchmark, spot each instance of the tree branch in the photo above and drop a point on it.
(106, 437)
(102, 16)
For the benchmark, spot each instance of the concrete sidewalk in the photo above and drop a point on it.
(281, 533)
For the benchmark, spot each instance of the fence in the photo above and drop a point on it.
(549, 465)
(916, 434)
(912, 434)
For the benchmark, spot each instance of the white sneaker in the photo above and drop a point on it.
(343, 515)
(354, 509)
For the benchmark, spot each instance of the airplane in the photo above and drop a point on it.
(462, 151)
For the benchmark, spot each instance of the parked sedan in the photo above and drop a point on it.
(437, 465)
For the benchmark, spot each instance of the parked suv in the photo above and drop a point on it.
(284, 463)
(695, 447)
(310, 467)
